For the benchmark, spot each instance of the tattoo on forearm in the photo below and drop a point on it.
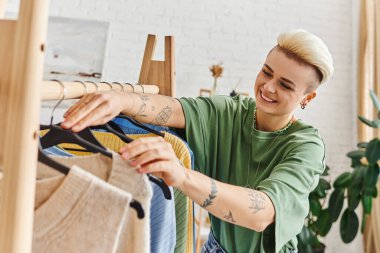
(229, 217)
(257, 202)
(164, 115)
(142, 108)
(211, 196)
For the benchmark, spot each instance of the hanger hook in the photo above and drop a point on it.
(122, 87)
(110, 85)
(97, 86)
(133, 87)
(142, 87)
(84, 85)
(62, 98)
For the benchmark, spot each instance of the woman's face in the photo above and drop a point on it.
(281, 84)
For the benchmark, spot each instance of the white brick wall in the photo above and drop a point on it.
(239, 34)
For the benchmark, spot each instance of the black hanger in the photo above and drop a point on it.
(112, 126)
(161, 183)
(84, 138)
(138, 207)
(45, 159)
(115, 129)
(58, 135)
(136, 123)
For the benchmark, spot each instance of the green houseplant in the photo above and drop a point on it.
(358, 185)
(355, 186)
(315, 223)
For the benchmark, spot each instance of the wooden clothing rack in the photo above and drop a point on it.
(22, 45)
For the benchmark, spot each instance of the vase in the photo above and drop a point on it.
(214, 90)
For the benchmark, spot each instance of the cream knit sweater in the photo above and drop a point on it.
(78, 213)
(135, 235)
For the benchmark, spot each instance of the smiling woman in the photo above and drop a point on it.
(255, 163)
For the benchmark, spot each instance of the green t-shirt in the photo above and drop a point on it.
(286, 167)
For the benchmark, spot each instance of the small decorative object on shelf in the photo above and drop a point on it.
(234, 93)
(216, 71)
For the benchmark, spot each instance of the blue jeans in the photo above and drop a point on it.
(212, 245)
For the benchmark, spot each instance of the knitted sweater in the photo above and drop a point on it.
(78, 213)
(135, 235)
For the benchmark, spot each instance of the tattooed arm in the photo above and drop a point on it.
(155, 109)
(99, 108)
(238, 205)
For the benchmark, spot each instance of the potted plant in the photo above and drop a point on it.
(359, 184)
(216, 71)
(316, 223)
(355, 186)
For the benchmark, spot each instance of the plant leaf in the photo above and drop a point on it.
(357, 176)
(356, 154)
(373, 151)
(367, 204)
(319, 192)
(375, 100)
(374, 193)
(315, 206)
(349, 225)
(371, 176)
(362, 145)
(326, 172)
(371, 123)
(324, 184)
(305, 235)
(353, 196)
(336, 203)
(343, 180)
(324, 222)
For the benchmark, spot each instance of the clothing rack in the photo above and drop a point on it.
(22, 45)
(53, 90)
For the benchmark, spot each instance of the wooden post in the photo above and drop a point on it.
(169, 64)
(7, 30)
(160, 73)
(21, 124)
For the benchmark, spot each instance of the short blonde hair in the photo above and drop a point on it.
(310, 49)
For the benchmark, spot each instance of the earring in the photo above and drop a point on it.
(303, 105)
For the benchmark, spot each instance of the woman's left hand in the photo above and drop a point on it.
(155, 156)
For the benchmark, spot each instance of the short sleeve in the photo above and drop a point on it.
(288, 187)
(204, 116)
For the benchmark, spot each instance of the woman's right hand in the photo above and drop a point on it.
(94, 109)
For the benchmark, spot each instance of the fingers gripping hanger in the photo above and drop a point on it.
(115, 129)
(58, 135)
(134, 203)
(158, 181)
(111, 126)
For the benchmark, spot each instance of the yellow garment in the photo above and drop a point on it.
(112, 142)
